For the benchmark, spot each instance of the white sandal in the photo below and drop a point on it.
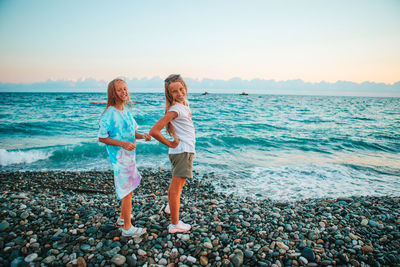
(120, 221)
(133, 231)
(167, 209)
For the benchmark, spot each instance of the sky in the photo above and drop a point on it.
(314, 41)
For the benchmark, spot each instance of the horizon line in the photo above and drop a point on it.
(237, 92)
(196, 79)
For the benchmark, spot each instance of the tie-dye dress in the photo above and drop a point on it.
(120, 125)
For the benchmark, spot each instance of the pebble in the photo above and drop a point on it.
(24, 215)
(248, 253)
(373, 223)
(185, 238)
(85, 247)
(282, 246)
(131, 261)
(163, 261)
(31, 257)
(141, 252)
(308, 253)
(208, 245)
(174, 253)
(4, 226)
(191, 259)
(367, 249)
(49, 259)
(17, 261)
(118, 260)
(237, 259)
(75, 228)
(81, 261)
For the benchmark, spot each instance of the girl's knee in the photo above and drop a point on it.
(178, 181)
(128, 196)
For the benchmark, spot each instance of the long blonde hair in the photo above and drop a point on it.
(112, 95)
(169, 101)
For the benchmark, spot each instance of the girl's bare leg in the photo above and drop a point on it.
(126, 208)
(174, 197)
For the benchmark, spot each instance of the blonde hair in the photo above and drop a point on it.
(169, 100)
(112, 95)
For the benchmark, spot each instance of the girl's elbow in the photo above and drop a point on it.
(154, 132)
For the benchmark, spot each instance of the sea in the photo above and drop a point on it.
(280, 147)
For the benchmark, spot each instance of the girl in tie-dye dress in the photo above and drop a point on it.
(118, 132)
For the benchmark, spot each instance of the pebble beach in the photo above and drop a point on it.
(59, 218)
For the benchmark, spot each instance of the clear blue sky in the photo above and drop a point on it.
(309, 40)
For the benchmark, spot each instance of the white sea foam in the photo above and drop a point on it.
(18, 157)
(288, 183)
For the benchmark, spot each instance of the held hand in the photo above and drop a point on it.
(129, 146)
(175, 143)
(147, 137)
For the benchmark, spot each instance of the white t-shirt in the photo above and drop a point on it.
(184, 129)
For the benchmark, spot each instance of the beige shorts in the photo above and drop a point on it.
(182, 164)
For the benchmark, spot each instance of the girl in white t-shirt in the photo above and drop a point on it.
(179, 125)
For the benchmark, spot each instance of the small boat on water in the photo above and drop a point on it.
(205, 93)
(244, 93)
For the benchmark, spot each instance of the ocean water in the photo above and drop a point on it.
(267, 146)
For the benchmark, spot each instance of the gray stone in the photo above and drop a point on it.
(31, 257)
(373, 223)
(49, 259)
(185, 237)
(99, 245)
(343, 258)
(308, 253)
(174, 253)
(163, 261)
(248, 253)
(4, 226)
(131, 261)
(111, 253)
(313, 235)
(141, 252)
(208, 245)
(191, 259)
(288, 227)
(85, 247)
(17, 262)
(245, 224)
(118, 259)
(237, 260)
(303, 260)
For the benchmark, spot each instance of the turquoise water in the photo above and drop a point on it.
(281, 147)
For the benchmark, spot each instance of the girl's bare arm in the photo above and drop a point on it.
(156, 130)
(146, 137)
(127, 145)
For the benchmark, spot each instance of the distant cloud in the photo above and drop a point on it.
(233, 85)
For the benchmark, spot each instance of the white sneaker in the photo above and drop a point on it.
(178, 228)
(167, 209)
(133, 231)
(120, 221)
